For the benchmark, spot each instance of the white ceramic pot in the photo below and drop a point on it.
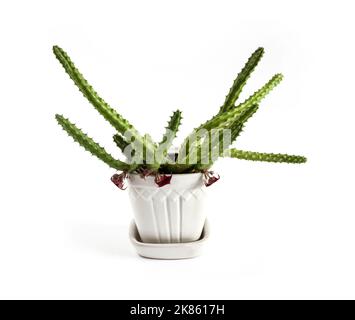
(170, 214)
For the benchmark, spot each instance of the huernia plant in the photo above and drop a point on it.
(199, 150)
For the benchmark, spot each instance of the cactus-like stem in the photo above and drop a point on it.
(115, 119)
(167, 140)
(236, 128)
(233, 114)
(146, 157)
(170, 132)
(257, 96)
(192, 141)
(120, 142)
(225, 119)
(268, 157)
(149, 140)
(149, 157)
(241, 80)
(90, 145)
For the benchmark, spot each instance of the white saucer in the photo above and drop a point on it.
(168, 251)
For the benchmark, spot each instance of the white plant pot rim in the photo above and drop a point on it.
(177, 178)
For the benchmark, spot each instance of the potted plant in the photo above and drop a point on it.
(167, 186)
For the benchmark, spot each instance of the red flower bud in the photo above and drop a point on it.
(143, 173)
(211, 178)
(119, 180)
(162, 179)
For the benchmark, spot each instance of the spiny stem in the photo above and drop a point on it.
(147, 156)
(257, 96)
(268, 157)
(90, 145)
(237, 126)
(120, 142)
(224, 119)
(241, 80)
(114, 118)
(171, 131)
(236, 129)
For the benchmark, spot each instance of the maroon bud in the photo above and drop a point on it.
(211, 178)
(119, 180)
(162, 179)
(145, 173)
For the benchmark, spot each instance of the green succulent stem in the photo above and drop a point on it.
(241, 80)
(170, 134)
(120, 142)
(268, 157)
(225, 119)
(115, 119)
(236, 128)
(90, 145)
(143, 155)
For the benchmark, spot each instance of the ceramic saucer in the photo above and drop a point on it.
(168, 251)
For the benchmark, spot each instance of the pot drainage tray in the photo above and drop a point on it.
(168, 251)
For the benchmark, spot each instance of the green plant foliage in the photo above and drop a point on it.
(236, 129)
(167, 140)
(171, 131)
(155, 157)
(114, 118)
(233, 115)
(120, 141)
(90, 145)
(268, 157)
(241, 80)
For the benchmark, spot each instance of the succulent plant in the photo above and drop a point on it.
(198, 151)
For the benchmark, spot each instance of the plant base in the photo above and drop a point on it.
(168, 251)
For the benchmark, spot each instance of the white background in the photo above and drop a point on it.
(278, 230)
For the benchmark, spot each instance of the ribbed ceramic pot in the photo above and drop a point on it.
(171, 214)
